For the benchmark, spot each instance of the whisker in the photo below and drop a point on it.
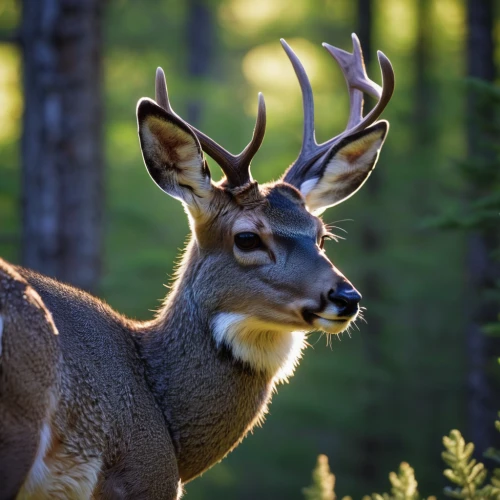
(362, 318)
(334, 237)
(331, 226)
(319, 338)
(342, 220)
(331, 341)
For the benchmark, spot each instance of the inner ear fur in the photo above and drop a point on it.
(172, 153)
(345, 168)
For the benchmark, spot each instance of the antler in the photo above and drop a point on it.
(357, 80)
(235, 167)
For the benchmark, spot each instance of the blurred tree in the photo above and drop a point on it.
(424, 133)
(483, 270)
(200, 39)
(62, 178)
(371, 241)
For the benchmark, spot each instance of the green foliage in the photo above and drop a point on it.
(464, 470)
(493, 454)
(469, 476)
(480, 212)
(480, 172)
(493, 329)
(404, 485)
(322, 487)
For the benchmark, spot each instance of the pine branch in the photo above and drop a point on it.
(322, 487)
(464, 470)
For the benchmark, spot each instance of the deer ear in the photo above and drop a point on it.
(345, 168)
(173, 155)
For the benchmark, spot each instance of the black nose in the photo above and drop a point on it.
(345, 298)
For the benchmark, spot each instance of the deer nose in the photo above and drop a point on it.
(345, 298)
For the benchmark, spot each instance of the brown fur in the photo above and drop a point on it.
(29, 376)
(105, 407)
(102, 408)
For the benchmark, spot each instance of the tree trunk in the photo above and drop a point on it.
(62, 159)
(482, 269)
(199, 40)
(422, 110)
(371, 244)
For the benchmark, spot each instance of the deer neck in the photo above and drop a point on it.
(209, 396)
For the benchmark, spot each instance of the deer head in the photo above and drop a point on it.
(256, 256)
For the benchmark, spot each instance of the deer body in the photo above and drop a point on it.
(205, 400)
(129, 409)
(102, 411)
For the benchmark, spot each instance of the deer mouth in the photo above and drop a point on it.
(328, 323)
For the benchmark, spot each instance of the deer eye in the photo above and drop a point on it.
(247, 241)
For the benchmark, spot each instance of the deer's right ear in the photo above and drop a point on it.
(173, 155)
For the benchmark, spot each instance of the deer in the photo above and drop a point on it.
(97, 405)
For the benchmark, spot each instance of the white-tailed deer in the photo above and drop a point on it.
(94, 405)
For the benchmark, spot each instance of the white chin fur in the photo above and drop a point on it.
(265, 347)
(333, 327)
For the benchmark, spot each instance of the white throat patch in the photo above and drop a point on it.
(263, 346)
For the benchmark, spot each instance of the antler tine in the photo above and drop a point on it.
(388, 83)
(161, 92)
(235, 167)
(353, 68)
(354, 71)
(245, 157)
(308, 140)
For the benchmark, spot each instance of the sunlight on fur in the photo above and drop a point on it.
(262, 345)
(344, 174)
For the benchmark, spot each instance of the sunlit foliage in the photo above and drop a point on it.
(470, 477)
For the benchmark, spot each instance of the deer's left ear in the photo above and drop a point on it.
(345, 168)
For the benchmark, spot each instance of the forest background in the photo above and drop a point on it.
(77, 203)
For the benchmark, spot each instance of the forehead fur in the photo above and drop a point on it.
(287, 213)
(279, 207)
(281, 192)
